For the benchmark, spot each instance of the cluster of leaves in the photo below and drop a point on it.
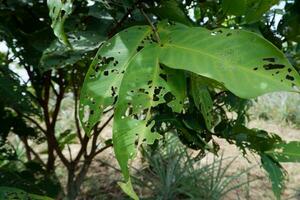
(163, 73)
(174, 77)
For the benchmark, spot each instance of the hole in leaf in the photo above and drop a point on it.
(273, 66)
(163, 76)
(269, 59)
(291, 78)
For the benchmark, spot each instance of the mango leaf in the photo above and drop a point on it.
(105, 74)
(244, 62)
(256, 9)
(202, 100)
(247, 139)
(285, 152)
(234, 7)
(59, 10)
(57, 55)
(144, 75)
(145, 85)
(10, 193)
(276, 174)
(251, 9)
(171, 10)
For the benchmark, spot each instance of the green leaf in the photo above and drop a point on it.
(253, 10)
(285, 152)
(244, 62)
(105, 74)
(10, 193)
(59, 10)
(234, 7)
(202, 100)
(145, 85)
(57, 55)
(256, 9)
(66, 138)
(172, 10)
(247, 139)
(276, 174)
(128, 189)
(143, 74)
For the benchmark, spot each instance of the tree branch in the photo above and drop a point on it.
(77, 123)
(34, 122)
(96, 134)
(151, 24)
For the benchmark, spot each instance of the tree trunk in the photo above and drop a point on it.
(75, 182)
(51, 157)
(72, 191)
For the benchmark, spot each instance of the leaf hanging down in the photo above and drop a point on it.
(285, 152)
(276, 174)
(144, 75)
(105, 74)
(247, 64)
(59, 10)
(202, 99)
(145, 85)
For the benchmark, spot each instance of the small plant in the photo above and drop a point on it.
(172, 173)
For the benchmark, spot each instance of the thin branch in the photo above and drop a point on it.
(75, 89)
(121, 21)
(59, 99)
(53, 88)
(82, 150)
(96, 134)
(70, 153)
(151, 24)
(102, 149)
(99, 130)
(37, 156)
(34, 122)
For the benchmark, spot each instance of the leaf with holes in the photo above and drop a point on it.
(286, 152)
(105, 74)
(11, 193)
(244, 62)
(136, 74)
(276, 174)
(145, 85)
(59, 10)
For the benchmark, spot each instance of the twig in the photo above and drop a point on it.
(96, 134)
(59, 99)
(151, 24)
(53, 88)
(70, 153)
(37, 156)
(102, 149)
(34, 122)
(76, 110)
(123, 19)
